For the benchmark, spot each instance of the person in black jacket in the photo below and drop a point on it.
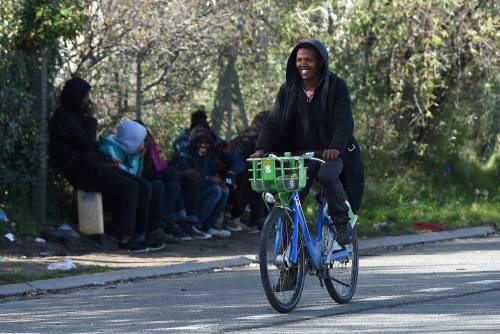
(73, 151)
(312, 112)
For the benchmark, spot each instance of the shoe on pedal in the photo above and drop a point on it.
(344, 233)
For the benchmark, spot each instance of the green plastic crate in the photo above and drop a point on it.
(278, 174)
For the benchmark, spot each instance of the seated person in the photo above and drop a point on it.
(179, 197)
(126, 149)
(244, 195)
(199, 117)
(213, 192)
(73, 151)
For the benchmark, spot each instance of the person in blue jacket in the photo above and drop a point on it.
(126, 148)
(213, 190)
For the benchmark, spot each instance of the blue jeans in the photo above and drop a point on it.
(212, 200)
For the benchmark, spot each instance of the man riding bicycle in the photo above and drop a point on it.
(312, 112)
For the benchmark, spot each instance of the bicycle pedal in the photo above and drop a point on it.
(321, 282)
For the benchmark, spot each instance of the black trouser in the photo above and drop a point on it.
(133, 192)
(328, 176)
(243, 196)
(165, 201)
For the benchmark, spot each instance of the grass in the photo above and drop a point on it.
(19, 275)
(402, 196)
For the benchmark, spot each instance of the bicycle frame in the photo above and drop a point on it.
(314, 246)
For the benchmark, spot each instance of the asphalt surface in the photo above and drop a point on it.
(444, 287)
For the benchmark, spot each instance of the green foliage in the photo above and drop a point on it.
(26, 27)
(422, 76)
(45, 21)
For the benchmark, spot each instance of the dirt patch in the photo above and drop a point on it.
(32, 257)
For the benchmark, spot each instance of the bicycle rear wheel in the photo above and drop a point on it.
(283, 281)
(342, 276)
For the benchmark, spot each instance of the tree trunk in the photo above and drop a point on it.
(138, 91)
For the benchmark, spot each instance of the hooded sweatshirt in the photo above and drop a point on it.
(72, 134)
(333, 119)
(124, 146)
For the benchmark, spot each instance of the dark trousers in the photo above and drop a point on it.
(243, 196)
(190, 198)
(168, 202)
(163, 199)
(133, 194)
(328, 177)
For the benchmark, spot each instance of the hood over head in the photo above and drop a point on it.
(292, 74)
(130, 136)
(293, 78)
(73, 93)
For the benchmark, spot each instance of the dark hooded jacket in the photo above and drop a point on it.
(72, 135)
(335, 124)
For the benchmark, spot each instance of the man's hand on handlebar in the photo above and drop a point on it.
(258, 154)
(331, 154)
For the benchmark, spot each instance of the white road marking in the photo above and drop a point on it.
(193, 327)
(379, 298)
(486, 281)
(259, 316)
(435, 289)
(316, 308)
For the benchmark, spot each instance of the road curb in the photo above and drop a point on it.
(101, 279)
(413, 239)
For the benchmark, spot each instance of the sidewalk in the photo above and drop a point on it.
(188, 257)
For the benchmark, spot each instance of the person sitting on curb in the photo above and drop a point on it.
(126, 148)
(177, 186)
(244, 144)
(73, 152)
(213, 191)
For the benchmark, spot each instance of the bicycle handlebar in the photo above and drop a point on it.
(307, 156)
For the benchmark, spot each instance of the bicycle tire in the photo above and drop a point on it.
(337, 273)
(286, 300)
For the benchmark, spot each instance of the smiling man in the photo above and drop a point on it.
(312, 112)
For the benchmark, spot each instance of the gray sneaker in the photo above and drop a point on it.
(221, 233)
(234, 225)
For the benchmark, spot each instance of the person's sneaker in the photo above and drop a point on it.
(248, 229)
(153, 242)
(234, 225)
(287, 280)
(165, 237)
(344, 235)
(134, 246)
(178, 233)
(221, 233)
(195, 233)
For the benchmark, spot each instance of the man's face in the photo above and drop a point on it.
(308, 63)
(202, 147)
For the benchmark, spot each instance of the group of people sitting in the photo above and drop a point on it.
(200, 193)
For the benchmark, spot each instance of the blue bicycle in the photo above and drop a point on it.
(287, 249)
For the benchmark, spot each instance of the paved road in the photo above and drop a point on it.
(445, 287)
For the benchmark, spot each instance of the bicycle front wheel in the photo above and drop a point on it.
(282, 280)
(342, 276)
